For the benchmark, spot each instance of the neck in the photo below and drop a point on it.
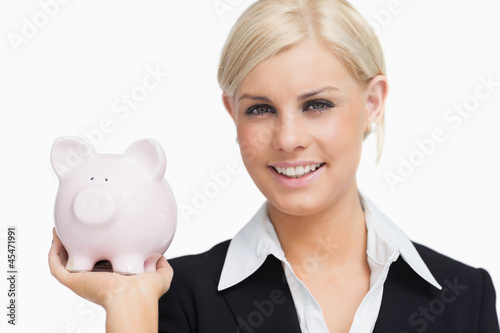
(334, 238)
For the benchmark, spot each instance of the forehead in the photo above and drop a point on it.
(304, 66)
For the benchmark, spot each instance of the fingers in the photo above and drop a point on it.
(164, 268)
(57, 263)
(79, 283)
(165, 274)
(102, 287)
(162, 264)
(57, 258)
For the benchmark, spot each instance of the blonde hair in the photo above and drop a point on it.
(269, 27)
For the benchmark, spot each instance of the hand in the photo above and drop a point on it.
(109, 289)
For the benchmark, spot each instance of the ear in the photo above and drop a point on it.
(150, 154)
(229, 104)
(375, 97)
(67, 153)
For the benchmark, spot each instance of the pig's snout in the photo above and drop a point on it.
(93, 206)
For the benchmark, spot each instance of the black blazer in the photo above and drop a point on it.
(263, 302)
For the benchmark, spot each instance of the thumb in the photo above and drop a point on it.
(166, 272)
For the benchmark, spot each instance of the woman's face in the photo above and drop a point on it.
(300, 119)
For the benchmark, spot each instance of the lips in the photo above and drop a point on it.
(296, 169)
(296, 174)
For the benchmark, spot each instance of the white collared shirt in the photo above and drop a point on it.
(385, 243)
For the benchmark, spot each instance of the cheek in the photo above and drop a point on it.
(254, 138)
(342, 135)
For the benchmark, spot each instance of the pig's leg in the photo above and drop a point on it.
(80, 263)
(128, 264)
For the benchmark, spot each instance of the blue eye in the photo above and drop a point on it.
(259, 110)
(319, 105)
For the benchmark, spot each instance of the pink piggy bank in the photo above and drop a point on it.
(113, 207)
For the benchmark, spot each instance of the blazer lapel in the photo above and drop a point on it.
(263, 302)
(404, 293)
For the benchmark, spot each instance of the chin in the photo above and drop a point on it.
(306, 201)
(316, 197)
(298, 203)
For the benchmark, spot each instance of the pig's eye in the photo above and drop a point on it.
(92, 178)
(106, 179)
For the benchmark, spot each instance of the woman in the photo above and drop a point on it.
(304, 82)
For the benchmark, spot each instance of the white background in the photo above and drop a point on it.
(64, 79)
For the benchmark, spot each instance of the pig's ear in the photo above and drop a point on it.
(150, 154)
(67, 153)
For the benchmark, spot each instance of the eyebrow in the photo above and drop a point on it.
(299, 98)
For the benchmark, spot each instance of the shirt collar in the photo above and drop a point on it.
(384, 234)
(248, 250)
(257, 239)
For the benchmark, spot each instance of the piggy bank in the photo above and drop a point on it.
(113, 207)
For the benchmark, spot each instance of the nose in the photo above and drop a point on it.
(93, 206)
(290, 133)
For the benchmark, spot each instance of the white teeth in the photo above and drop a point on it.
(298, 171)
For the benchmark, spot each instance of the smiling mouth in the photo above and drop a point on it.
(299, 171)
